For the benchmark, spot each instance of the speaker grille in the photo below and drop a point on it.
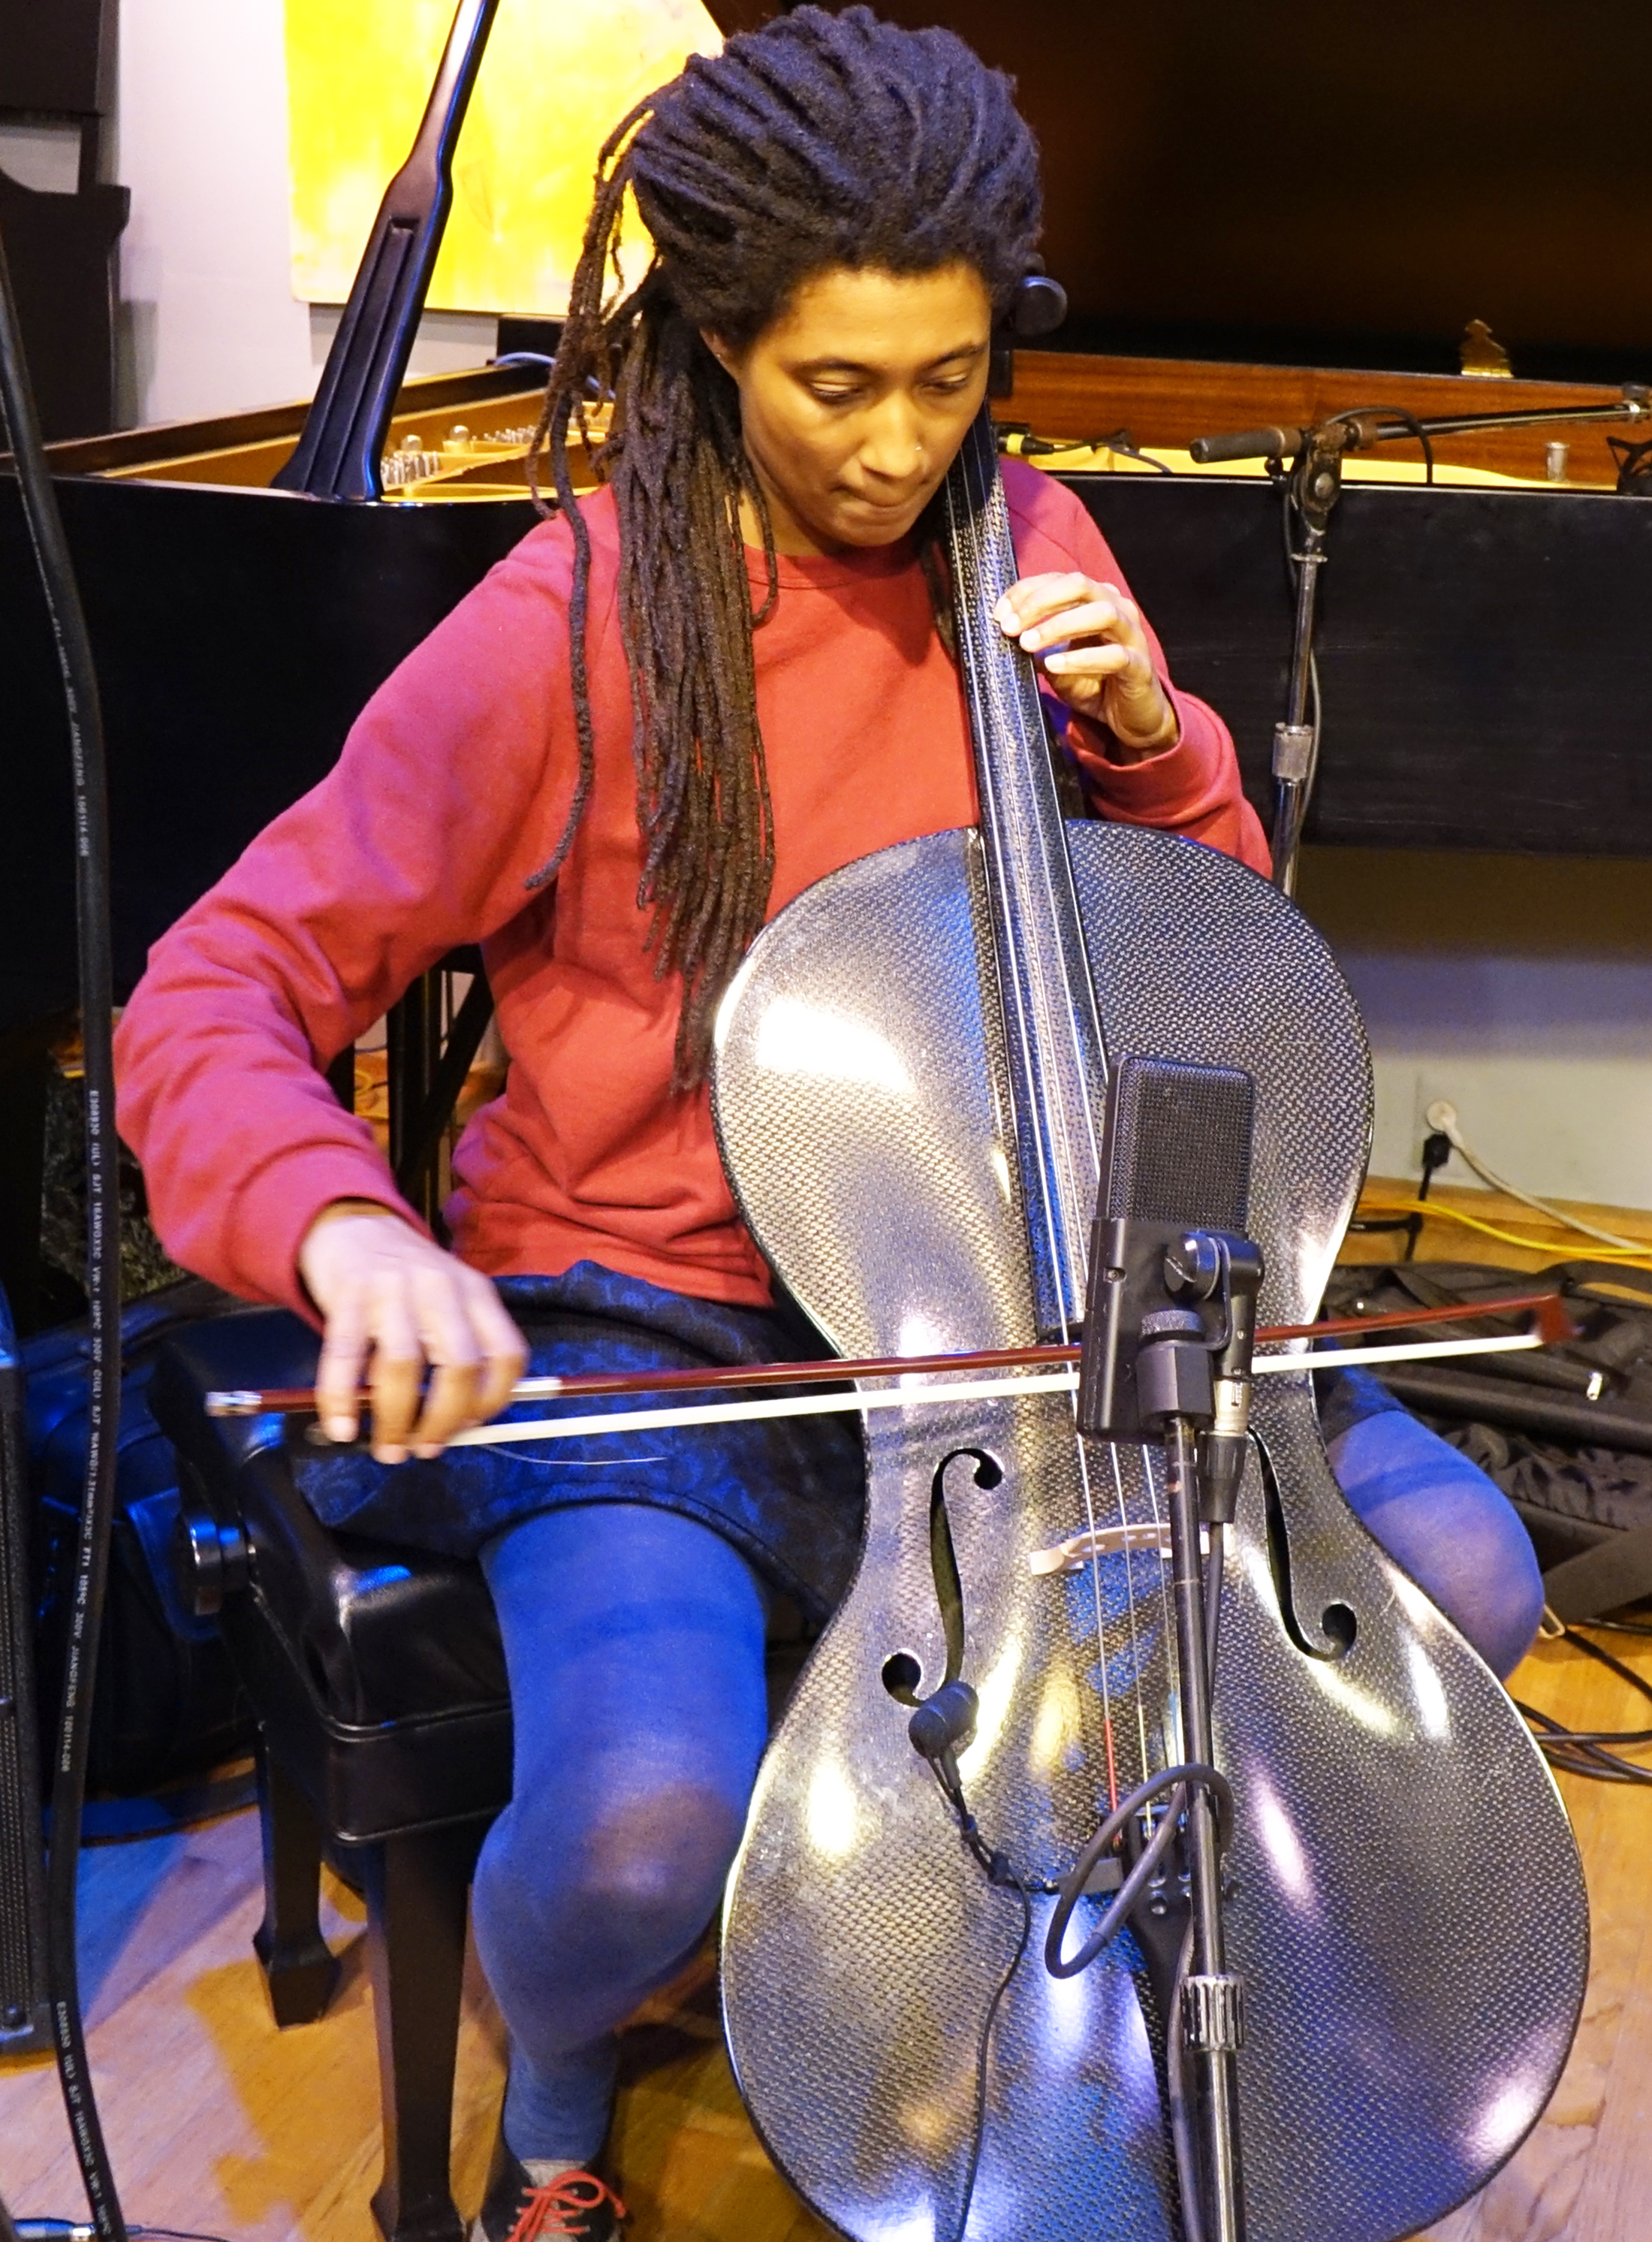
(1179, 1142)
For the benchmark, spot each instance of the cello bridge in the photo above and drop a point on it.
(1076, 1551)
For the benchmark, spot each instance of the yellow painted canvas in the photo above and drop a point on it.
(557, 76)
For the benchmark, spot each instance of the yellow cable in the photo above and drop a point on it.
(1437, 1211)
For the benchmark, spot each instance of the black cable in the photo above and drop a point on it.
(1583, 1751)
(1182, 2136)
(1172, 1781)
(1577, 1755)
(1601, 1735)
(984, 2052)
(103, 1206)
(1002, 1873)
(1285, 482)
(65, 2230)
(1293, 571)
(1406, 419)
(1624, 1673)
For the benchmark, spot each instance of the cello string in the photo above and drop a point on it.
(1057, 995)
(1130, 1604)
(1031, 746)
(1015, 964)
(1100, 1617)
(971, 598)
(1028, 973)
(1021, 736)
(988, 537)
(1027, 746)
(1013, 973)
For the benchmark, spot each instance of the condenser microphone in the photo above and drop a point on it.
(1175, 1183)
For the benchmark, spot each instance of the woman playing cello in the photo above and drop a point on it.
(683, 698)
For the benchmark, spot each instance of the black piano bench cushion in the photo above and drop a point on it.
(374, 1667)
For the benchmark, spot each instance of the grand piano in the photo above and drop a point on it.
(1484, 662)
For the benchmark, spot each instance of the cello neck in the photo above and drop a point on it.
(1052, 1035)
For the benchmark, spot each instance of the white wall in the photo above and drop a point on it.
(209, 323)
(1519, 988)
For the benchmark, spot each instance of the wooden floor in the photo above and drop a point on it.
(223, 2126)
(219, 2125)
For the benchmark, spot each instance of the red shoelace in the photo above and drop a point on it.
(551, 2210)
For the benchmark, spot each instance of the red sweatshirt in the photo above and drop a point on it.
(451, 792)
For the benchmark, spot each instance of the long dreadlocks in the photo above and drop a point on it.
(820, 141)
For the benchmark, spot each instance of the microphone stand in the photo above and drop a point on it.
(1313, 489)
(1212, 2018)
(1313, 485)
(1194, 1392)
(1165, 1374)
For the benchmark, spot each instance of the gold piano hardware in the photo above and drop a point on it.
(414, 460)
(474, 460)
(1481, 356)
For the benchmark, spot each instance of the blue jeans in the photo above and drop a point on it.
(634, 1641)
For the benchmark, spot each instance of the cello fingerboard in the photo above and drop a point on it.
(1052, 1033)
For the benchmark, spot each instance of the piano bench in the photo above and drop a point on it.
(376, 1680)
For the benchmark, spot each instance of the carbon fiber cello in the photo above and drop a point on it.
(910, 1080)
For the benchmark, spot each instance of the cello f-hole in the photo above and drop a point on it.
(1337, 1622)
(943, 1558)
(902, 1672)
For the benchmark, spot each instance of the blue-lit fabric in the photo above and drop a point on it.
(634, 1639)
(1437, 1515)
(786, 1492)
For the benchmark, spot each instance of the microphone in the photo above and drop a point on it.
(943, 1724)
(1248, 444)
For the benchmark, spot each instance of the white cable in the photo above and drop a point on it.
(1442, 1116)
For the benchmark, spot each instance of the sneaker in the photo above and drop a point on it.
(576, 2207)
